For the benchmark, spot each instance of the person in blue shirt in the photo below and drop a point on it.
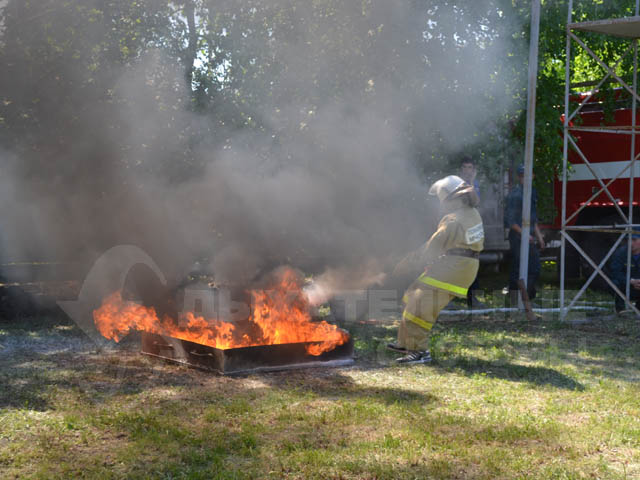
(618, 271)
(513, 221)
(468, 173)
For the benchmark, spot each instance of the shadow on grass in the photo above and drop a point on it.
(332, 384)
(376, 356)
(535, 375)
(24, 387)
(34, 380)
(38, 381)
(610, 346)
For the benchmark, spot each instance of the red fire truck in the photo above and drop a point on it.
(604, 138)
(609, 154)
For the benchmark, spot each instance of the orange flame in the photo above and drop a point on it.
(279, 315)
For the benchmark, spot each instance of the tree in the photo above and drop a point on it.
(551, 79)
(100, 99)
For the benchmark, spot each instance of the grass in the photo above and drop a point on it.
(504, 398)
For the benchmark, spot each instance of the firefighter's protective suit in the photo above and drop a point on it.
(451, 259)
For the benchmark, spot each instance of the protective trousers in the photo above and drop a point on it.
(422, 306)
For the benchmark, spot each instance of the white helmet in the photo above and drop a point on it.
(449, 187)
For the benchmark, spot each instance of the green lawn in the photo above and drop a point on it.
(503, 399)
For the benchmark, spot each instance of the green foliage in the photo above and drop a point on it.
(66, 69)
(551, 79)
(505, 147)
(241, 74)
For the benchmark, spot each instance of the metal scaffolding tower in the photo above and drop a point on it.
(628, 29)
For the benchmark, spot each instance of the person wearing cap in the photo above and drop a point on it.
(513, 221)
(468, 173)
(618, 272)
(450, 260)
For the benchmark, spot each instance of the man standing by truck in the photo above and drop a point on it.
(618, 272)
(513, 220)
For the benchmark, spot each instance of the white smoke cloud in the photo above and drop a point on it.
(328, 183)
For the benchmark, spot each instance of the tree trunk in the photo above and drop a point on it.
(190, 57)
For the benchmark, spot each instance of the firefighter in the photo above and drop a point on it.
(451, 259)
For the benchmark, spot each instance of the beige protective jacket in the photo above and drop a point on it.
(461, 228)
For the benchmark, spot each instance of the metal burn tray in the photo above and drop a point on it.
(261, 358)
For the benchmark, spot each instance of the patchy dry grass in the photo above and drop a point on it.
(503, 399)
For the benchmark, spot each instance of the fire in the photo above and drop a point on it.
(278, 315)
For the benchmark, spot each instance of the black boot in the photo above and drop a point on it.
(417, 356)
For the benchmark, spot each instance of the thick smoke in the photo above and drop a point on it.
(327, 181)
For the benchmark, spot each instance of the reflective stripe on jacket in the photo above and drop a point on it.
(461, 228)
